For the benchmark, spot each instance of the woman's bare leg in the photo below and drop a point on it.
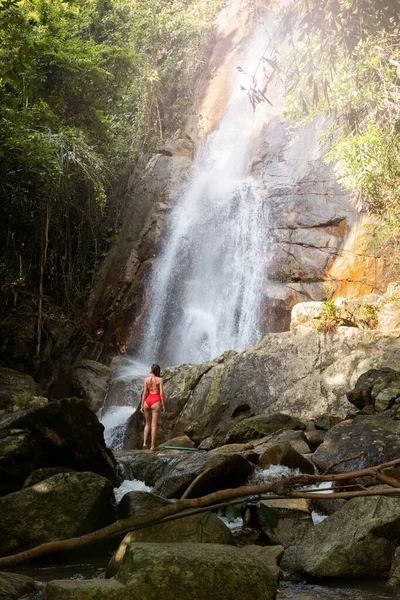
(147, 416)
(155, 413)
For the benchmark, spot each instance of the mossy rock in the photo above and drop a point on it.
(260, 426)
(13, 586)
(195, 572)
(60, 507)
(179, 531)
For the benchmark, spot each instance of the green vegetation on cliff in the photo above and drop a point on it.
(88, 88)
(345, 65)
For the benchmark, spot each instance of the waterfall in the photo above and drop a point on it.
(207, 284)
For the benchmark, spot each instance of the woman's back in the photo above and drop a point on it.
(153, 384)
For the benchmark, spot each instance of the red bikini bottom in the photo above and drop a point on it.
(152, 399)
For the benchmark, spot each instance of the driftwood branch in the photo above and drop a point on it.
(282, 488)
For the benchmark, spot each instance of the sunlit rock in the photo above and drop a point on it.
(357, 540)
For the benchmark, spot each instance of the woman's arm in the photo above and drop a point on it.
(144, 395)
(162, 395)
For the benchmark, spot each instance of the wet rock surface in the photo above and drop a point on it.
(60, 507)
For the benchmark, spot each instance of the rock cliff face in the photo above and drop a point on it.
(314, 229)
(302, 373)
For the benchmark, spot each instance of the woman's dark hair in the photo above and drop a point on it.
(155, 369)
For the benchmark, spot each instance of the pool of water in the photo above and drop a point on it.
(339, 590)
(90, 566)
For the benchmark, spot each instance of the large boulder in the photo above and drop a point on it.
(89, 589)
(284, 454)
(89, 380)
(66, 433)
(15, 389)
(224, 471)
(377, 387)
(302, 373)
(294, 520)
(182, 441)
(195, 572)
(138, 503)
(297, 439)
(60, 507)
(377, 438)
(13, 586)
(358, 540)
(180, 571)
(180, 531)
(260, 426)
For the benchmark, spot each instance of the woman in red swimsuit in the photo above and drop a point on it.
(152, 403)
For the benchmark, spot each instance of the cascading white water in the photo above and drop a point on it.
(206, 285)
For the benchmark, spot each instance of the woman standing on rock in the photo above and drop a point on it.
(152, 403)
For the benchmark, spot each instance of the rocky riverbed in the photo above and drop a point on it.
(301, 402)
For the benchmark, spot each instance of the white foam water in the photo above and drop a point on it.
(206, 286)
(114, 421)
(274, 472)
(134, 485)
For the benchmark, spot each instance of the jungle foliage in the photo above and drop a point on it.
(344, 64)
(88, 88)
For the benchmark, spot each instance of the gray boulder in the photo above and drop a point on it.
(315, 438)
(195, 572)
(135, 504)
(284, 454)
(13, 586)
(377, 387)
(146, 466)
(63, 506)
(89, 381)
(226, 470)
(377, 438)
(260, 426)
(65, 433)
(358, 540)
(183, 441)
(294, 520)
(180, 531)
(297, 439)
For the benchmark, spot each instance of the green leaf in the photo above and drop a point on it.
(201, 524)
(268, 516)
(231, 513)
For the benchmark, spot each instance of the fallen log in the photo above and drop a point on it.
(282, 488)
